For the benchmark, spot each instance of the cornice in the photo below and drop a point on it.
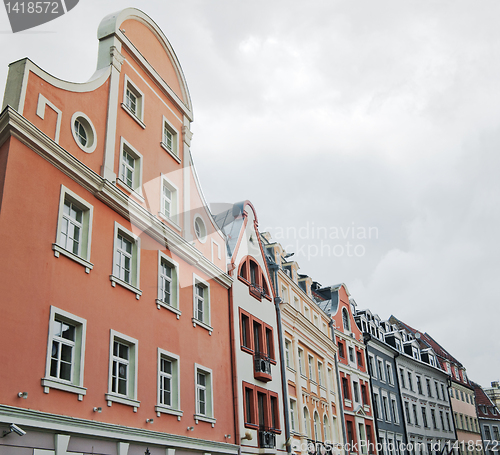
(12, 124)
(59, 423)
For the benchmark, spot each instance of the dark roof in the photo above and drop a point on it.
(484, 404)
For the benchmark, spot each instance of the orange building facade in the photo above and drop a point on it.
(114, 284)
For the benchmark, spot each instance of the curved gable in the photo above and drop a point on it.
(139, 32)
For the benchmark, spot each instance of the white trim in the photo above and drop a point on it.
(134, 286)
(138, 116)
(75, 385)
(216, 244)
(174, 211)
(176, 386)
(93, 138)
(88, 214)
(138, 160)
(175, 285)
(134, 355)
(209, 415)
(40, 111)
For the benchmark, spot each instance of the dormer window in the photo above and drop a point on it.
(398, 345)
(431, 360)
(415, 353)
(251, 274)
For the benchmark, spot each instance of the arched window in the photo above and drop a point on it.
(253, 275)
(317, 427)
(326, 429)
(307, 423)
(345, 319)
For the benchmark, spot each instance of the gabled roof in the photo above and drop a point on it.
(484, 404)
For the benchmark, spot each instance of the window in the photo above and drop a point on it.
(394, 408)
(496, 434)
(424, 416)
(133, 101)
(355, 388)
(317, 427)
(387, 413)
(169, 202)
(310, 360)
(388, 368)
(84, 132)
(204, 399)
(345, 319)
(441, 417)
(419, 384)
(429, 391)
(345, 389)
(288, 354)
(364, 396)
(487, 432)
(436, 385)
(320, 374)
(307, 422)
(170, 139)
(254, 276)
(168, 284)
(130, 172)
(380, 365)
(433, 419)
(371, 367)
(261, 408)
(376, 403)
(301, 362)
(326, 429)
(351, 354)
(74, 228)
(306, 311)
(415, 416)
(168, 384)
(410, 381)
(407, 412)
(359, 358)
(122, 379)
(293, 414)
(249, 404)
(126, 261)
(201, 304)
(341, 349)
(402, 376)
(448, 421)
(200, 229)
(65, 353)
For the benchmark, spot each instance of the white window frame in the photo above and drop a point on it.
(372, 366)
(135, 263)
(380, 370)
(174, 150)
(310, 366)
(209, 414)
(288, 354)
(173, 306)
(390, 373)
(175, 407)
(293, 415)
(394, 409)
(138, 115)
(320, 374)
(83, 257)
(75, 385)
(206, 305)
(136, 188)
(306, 312)
(173, 219)
(130, 399)
(90, 132)
(202, 237)
(301, 361)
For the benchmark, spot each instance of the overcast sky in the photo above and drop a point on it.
(366, 133)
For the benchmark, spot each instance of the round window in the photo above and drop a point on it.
(83, 132)
(200, 229)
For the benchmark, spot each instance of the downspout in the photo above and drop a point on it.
(341, 398)
(366, 338)
(277, 301)
(404, 416)
(236, 408)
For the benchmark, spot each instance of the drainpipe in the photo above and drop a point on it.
(277, 301)
(366, 338)
(341, 398)
(234, 374)
(403, 416)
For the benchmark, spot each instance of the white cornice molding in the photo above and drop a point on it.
(12, 124)
(92, 428)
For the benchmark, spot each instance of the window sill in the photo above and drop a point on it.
(134, 193)
(204, 419)
(115, 280)
(52, 383)
(202, 324)
(291, 369)
(161, 304)
(60, 250)
(347, 402)
(166, 410)
(137, 119)
(247, 350)
(112, 398)
(172, 154)
(169, 221)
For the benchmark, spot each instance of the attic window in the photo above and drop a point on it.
(345, 319)
(251, 274)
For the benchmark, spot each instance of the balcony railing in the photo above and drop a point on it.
(262, 367)
(318, 448)
(267, 439)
